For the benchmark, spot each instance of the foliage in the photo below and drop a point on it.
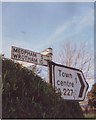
(92, 96)
(26, 95)
(90, 115)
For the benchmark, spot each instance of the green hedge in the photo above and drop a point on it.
(26, 95)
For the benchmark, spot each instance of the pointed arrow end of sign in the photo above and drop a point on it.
(84, 85)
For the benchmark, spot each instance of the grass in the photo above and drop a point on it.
(90, 115)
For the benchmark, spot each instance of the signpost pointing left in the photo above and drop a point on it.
(25, 55)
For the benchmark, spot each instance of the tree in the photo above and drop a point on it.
(77, 56)
(92, 97)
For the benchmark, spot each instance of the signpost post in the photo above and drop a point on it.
(69, 81)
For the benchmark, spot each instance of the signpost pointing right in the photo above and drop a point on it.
(69, 81)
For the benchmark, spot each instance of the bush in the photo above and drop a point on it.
(26, 95)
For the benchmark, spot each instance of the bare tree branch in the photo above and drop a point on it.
(78, 57)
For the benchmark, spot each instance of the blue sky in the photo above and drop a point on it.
(0, 27)
(37, 26)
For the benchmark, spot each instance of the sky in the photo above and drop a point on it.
(39, 25)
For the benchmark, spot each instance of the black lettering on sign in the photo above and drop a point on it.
(63, 74)
(41, 61)
(58, 82)
(65, 83)
(64, 91)
(58, 90)
(71, 92)
(59, 72)
(16, 50)
(68, 92)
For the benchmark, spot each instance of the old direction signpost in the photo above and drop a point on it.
(24, 55)
(69, 81)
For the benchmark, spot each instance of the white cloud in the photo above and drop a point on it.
(69, 29)
(87, 20)
(72, 27)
